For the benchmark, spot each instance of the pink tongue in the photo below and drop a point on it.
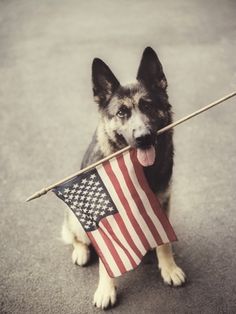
(146, 157)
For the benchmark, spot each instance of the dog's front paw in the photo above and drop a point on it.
(104, 297)
(81, 254)
(173, 275)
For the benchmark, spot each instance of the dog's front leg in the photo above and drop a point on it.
(105, 294)
(170, 272)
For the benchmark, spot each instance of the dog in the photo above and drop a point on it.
(130, 115)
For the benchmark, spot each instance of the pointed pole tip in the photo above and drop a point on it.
(37, 194)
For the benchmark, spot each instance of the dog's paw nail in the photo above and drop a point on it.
(173, 275)
(104, 297)
(80, 255)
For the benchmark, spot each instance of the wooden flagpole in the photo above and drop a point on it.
(166, 128)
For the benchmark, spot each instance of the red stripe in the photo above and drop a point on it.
(152, 197)
(113, 251)
(138, 200)
(107, 225)
(99, 252)
(125, 203)
(126, 235)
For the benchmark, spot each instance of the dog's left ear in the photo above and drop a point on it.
(150, 71)
(104, 82)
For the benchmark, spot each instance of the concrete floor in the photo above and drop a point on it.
(47, 118)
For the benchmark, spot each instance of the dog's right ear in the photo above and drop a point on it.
(104, 82)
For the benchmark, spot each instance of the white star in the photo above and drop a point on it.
(106, 202)
(100, 189)
(97, 183)
(94, 188)
(102, 213)
(81, 204)
(103, 195)
(75, 185)
(97, 194)
(73, 191)
(82, 197)
(75, 203)
(84, 181)
(85, 192)
(88, 198)
(76, 197)
(93, 176)
(59, 193)
(90, 182)
(96, 212)
(91, 193)
(99, 206)
(70, 197)
(92, 205)
(110, 209)
(100, 200)
(95, 217)
(66, 190)
(72, 207)
(86, 205)
(104, 207)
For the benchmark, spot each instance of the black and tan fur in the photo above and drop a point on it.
(130, 115)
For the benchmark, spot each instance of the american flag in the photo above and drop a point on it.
(120, 214)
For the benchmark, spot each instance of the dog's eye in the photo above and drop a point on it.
(123, 112)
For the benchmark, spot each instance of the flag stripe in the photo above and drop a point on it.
(111, 268)
(124, 255)
(142, 191)
(135, 210)
(143, 211)
(131, 230)
(170, 234)
(123, 234)
(111, 226)
(126, 205)
(113, 251)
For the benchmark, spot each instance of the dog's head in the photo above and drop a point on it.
(132, 114)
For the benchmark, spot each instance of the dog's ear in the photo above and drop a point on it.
(150, 71)
(104, 82)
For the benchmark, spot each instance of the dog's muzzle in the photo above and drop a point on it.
(145, 141)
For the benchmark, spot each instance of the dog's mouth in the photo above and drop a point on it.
(146, 153)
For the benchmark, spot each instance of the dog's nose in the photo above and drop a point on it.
(144, 141)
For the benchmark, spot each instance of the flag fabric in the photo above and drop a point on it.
(120, 214)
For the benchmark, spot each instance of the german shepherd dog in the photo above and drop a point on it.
(130, 115)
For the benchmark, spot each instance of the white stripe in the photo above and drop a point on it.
(107, 182)
(133, 206)
(124, 258)
(106, 252)
(145, 200)
(116, 229)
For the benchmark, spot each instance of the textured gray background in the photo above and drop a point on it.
(48, 116)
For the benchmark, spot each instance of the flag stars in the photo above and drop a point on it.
(67, 190)
(84, 181)
(75, 186)
(93, 176)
